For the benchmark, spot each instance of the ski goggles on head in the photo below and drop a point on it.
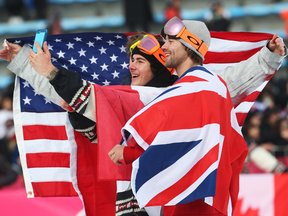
(150, 45)
(176, 29)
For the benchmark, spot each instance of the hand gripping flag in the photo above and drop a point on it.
(52, 154)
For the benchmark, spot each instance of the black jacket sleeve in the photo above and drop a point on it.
(83, 125)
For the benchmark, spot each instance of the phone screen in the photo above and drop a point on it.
(40, 37)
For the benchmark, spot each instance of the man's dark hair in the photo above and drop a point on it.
(195, 58)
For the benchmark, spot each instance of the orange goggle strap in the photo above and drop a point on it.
(160, 56)
(193, 40)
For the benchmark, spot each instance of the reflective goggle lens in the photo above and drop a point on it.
(173, 27)
(149, 44)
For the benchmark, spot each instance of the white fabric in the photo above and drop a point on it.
(263, 159)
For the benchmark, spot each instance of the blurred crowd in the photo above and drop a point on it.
(266, 130)
(20, 10)
(10, 166)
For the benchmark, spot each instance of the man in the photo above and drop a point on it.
(190, 133)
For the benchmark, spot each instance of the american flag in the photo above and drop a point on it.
(50, 155)
(48, 146)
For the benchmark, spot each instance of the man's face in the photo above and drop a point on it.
(140, 70)
(175, 53)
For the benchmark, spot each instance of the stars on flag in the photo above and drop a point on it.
(110, 42)
(82, 52)
(70, 45)
(27, 100)
(64, 66)
(61, 54)
(50, 47)
(35, 93)
(102, 50)
(104, 67)
(72, 61)
(47, 101)
(118, 36)
(100, 58)
(124, 65)
(90, 44)
(106, 83)
(115, 74)
(93, 55)
(84, 68)
(113, 58)
(93, 60)
(26, 84)
(53, 59)
(78, 39)
(122, 48)
(98, 38)
(95, 76)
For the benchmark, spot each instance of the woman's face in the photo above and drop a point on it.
(140, 70)
(254, 132)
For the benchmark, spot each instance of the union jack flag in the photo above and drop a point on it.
(189, 134)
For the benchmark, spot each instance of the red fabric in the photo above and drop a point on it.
(211, 57)
(31, 132)
(53, 189)
(191, 209)
(131, 153)
(241, 36)
(171, 12)
(35, 160)
(284, 17)
(281, 192)
(113, 110)
(99, 197)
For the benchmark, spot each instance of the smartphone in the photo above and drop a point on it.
(40, 37)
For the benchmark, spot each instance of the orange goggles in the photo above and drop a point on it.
(176, 28)
(150, 45)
